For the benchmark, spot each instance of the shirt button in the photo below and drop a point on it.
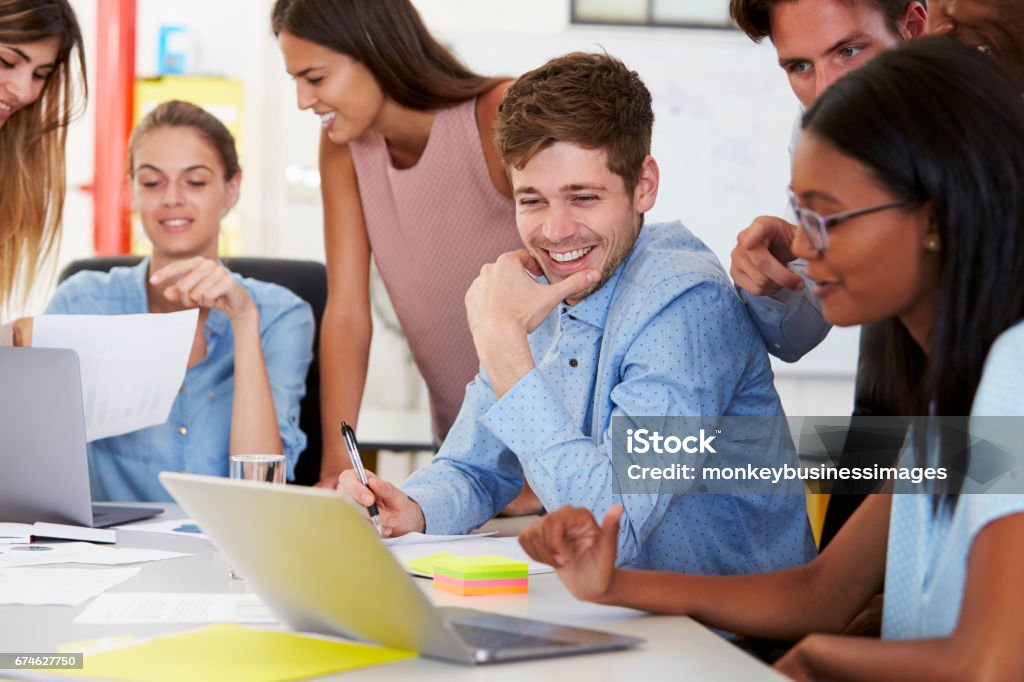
(182, 430)
(182, 389)
(573, 362)
(210, 394)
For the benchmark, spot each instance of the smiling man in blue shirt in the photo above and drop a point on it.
(598, 316)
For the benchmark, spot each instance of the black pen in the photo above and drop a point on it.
(352, 446)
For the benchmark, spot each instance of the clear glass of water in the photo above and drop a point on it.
(265, 468)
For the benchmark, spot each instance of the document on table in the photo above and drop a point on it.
(231, 653)
(186, 527)
(422, 538)
(24, 533)
(15, 533)
(78, 553)
(163, 607)
(132, 365)
(58, 586)
(7, 334)
(60, 531)
(467, 545)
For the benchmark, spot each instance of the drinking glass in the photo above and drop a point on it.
(265, 468)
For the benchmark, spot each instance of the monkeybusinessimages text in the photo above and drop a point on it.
(649, 442)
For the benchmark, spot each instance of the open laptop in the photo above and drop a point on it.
(319, 566)
(44, 466)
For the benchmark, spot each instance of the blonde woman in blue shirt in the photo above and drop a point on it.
(252, 347)
(909, 184)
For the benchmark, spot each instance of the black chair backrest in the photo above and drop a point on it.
(307, 280)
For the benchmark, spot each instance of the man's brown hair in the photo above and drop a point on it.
(754, 17)
(590, 100)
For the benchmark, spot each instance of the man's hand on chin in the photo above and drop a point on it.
(504, 304)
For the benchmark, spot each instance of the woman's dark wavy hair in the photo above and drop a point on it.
(389, 38)
(939, 123)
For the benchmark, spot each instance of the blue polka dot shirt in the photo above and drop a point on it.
(666, 335)
(927, 556)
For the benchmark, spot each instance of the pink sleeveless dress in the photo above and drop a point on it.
(431, 227)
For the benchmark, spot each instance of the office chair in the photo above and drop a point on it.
(307, 280)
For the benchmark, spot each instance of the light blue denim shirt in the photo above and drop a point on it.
(926, 567)
(197, 433)
(665, 335)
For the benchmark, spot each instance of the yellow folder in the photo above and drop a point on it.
(227, 652)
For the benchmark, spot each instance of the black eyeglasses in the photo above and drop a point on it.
(816, 225)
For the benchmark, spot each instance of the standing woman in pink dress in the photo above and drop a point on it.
(409, 173)
(42, 65)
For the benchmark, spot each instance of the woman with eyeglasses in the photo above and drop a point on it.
(909, 184)
(42, 87)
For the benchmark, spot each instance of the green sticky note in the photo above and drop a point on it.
(481, 567)
(232, 653)
(425, 564)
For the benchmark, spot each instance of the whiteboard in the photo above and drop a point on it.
(724, 114)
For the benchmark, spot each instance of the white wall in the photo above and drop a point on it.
(723, 118)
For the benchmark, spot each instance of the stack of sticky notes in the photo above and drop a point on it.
(479, 575)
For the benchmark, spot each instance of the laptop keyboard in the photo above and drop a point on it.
(492, 639)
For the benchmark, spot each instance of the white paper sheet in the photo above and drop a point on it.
(132, 365)
(7, 334)
(179, 527)
(471, 545)
(15, 533)
(59, 586)
(420, 539)
(60, 531)
(37, 554)
(160, 607)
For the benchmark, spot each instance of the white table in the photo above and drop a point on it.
(677, 648)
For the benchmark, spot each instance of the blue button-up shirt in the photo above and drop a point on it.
(791, 322)
(196, 435)
(665, 335)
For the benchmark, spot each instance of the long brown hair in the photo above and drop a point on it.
(938, 123)
(32, 142)
(388, 38)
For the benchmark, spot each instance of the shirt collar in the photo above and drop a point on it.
(594, 308)
(216, 322)
(139, 276)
